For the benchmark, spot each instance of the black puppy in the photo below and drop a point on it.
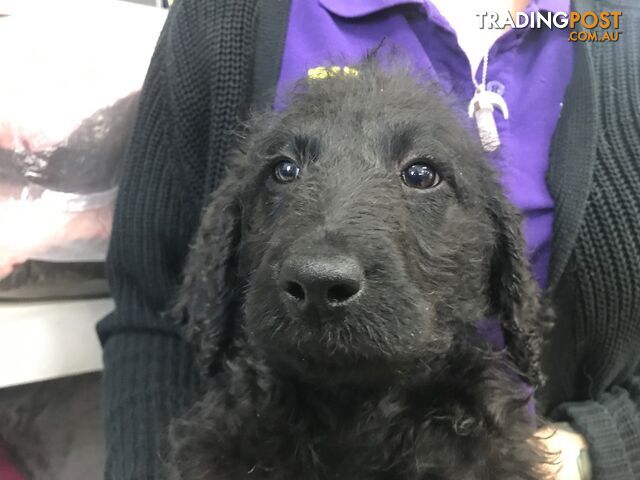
(334, 291)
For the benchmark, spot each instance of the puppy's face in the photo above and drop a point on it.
(366, 238)
(360, 229)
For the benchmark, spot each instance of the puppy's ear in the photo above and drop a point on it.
(207, 299)
(515, 295)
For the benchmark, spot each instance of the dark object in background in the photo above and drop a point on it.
(53, 430)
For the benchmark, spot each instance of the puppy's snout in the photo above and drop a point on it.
(321, 282)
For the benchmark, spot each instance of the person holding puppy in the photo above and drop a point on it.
(560, 119)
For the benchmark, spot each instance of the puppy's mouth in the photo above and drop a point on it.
(319, 308)
(363, 330)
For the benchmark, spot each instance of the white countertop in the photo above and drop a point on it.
(46, 340)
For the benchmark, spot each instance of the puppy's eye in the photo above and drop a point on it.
(420, 175)
(286, 170)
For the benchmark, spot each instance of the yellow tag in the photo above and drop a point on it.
(351, 72)
(320, 73)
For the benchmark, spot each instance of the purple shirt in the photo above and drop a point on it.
(530, 68)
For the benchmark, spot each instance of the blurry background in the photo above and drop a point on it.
(71, 74)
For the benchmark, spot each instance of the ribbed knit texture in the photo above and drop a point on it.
(196, 91)
(605, 262)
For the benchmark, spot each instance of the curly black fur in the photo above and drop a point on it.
(398, 383)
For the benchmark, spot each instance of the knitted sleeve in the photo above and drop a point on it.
(605, 336)
(193, 96)
(611, 427)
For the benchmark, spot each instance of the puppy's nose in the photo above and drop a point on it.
(323, 282)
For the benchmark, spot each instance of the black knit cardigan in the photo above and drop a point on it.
(200, 84)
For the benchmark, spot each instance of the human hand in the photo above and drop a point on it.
(564, 448)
